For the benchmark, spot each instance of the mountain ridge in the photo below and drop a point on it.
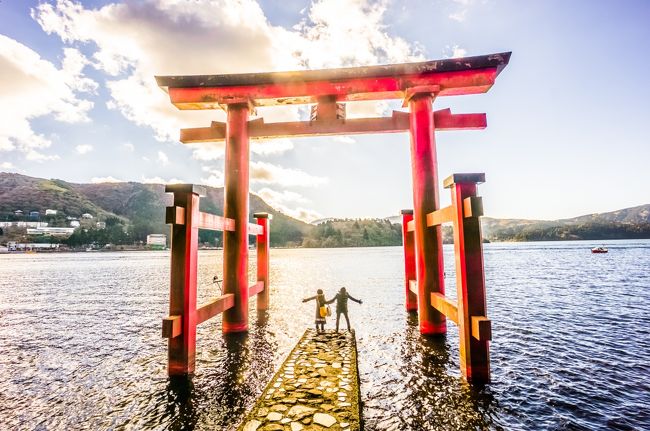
(142, 206)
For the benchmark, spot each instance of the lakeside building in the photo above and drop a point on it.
(75, 223)
(50, 212)
(35, 246)
(33, 224)
(34, 215)
(87, 216)
(54, 231)
(157, 240)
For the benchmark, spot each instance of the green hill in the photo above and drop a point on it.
(133, 210)
(139, 207)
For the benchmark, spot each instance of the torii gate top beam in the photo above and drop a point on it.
(449, 77)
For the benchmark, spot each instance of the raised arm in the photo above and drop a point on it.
(309, 299)
(332, 300)
(354, 299)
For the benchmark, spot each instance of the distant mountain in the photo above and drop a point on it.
(628, 223)
(141, 206)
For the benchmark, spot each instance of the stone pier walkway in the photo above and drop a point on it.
(316, 388)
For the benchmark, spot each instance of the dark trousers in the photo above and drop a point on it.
(338, 317)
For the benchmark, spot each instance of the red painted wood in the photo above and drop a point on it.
(397, 123)
(235, 244)
(428, 241)
(373, 88)
(411, 299)
(214, 307)
(263, 249)
(470, 284)
(215, 222)
(256, 288)
(182, 296)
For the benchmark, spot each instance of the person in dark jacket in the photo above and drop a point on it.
(320, 302)
(341, 299)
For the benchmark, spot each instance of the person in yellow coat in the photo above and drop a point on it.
(320, 302)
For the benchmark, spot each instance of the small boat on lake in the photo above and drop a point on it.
(599, 250)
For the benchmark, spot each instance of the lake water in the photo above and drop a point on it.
(80, 343)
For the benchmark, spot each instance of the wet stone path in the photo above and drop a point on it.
(316, 388)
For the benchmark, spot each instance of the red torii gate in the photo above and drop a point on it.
(418, 85)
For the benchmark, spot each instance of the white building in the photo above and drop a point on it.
(75, 223)
(87, 216)
(54, 231)
(50, 212)
(157, 239)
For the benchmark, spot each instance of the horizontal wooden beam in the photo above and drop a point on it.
(413, 286)
(215, 222)
(481, 328)
(172, 326)
(256, 288)
(440, 216)
(472, 206)
(398, 122)
(472, 75)
(214, 307)
(175, 215)
(445, 306)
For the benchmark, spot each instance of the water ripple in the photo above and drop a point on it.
(80, 344)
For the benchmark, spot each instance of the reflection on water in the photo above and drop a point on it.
(80, 344)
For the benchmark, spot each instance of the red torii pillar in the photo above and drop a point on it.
(428, 241)
(263, 251)
(235, 243)
(410, 274)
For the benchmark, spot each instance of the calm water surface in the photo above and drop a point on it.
(80, 344)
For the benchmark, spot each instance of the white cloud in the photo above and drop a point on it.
(267, 173)
(215, 177)
(136, 40)
(6, 165)
(459, 16)
(454, 51)
(281, 201)
(83, 149)
(272, 196)
(109, 179)
(162, 158)
(159, 180)
(128, 147)
(461, 13)
(32, 87)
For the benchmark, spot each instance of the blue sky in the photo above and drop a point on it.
(567, 119)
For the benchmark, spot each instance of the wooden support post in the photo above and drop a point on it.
(411, 299)
(470, 278)
(263, 246)
(235, 244)
(428, 241)
(182, 292)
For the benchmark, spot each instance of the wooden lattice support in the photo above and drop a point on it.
(263, 246)
(411, 299)
(184, 315)
(181, 325)
(473, 326)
